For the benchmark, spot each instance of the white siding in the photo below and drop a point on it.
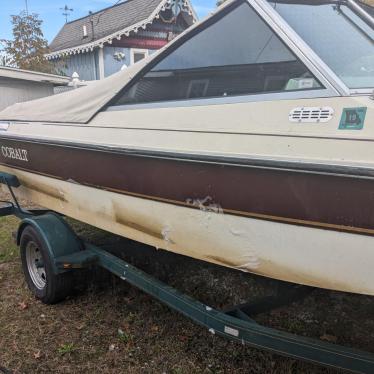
(15, 91)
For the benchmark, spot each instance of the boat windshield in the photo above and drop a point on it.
(337, 34)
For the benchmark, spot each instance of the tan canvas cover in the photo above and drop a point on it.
(82, 104)
(76, 106)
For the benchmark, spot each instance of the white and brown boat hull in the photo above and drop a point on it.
(293, 203)
(301, 223)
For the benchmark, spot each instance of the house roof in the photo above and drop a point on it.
(33, 76)
(110, 23)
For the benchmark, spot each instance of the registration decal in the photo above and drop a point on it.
(353, 119)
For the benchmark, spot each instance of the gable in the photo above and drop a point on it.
(109, 24)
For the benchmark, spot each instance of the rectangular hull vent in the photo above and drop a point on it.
(311, 114)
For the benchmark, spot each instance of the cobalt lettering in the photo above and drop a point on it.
(14, 153)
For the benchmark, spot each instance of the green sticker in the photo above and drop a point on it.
(353, 119)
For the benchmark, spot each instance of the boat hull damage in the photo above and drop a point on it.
(199, 224)
(256, 155)
(299, 194)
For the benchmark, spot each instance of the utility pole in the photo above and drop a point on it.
(66, 12)
(27, 7)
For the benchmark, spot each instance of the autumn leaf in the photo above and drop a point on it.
(37, 355)
(329, 338)
(23, 305)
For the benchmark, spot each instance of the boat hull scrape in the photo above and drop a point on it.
(203, 230)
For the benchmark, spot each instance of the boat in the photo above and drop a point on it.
(246, 142)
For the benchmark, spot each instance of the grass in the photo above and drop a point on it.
(66, 348)
(8, 248)
(123, 337)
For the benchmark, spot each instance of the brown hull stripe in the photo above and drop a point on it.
(319, 200)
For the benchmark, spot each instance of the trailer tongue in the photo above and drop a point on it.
(51, 251)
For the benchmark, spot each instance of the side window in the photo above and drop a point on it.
(138, 55)
(237, 55)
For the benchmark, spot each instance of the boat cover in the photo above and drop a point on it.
(75, 106)
(81, 105)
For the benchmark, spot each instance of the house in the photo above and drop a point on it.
(18, 85)
(107, 41)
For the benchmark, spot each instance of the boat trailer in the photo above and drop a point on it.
(61, 252)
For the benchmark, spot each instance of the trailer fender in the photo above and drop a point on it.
(59, 237)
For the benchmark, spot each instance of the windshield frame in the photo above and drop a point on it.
(327, 89)
(284, 30)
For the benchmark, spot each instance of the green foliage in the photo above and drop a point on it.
(28, 47)
(66, 348)
(123, 337)
(8, 248)
(5, 60)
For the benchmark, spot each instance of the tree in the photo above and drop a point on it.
(220, 2)
(28, 47)
(4, 58)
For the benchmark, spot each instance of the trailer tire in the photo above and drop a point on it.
(37, 267)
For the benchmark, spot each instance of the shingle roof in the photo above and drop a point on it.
(34, 76)
(106, 22)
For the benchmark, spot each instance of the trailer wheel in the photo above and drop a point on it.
(47, 286)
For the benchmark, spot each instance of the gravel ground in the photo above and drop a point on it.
(111, 327)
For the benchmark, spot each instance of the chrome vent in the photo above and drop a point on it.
(311, 114)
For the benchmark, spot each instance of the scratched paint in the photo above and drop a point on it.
(323, 258)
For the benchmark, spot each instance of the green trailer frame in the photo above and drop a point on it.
(68, 253)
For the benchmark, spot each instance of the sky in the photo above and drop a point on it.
(50, 13)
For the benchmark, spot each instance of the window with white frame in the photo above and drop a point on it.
(338, 34)
(138, 55)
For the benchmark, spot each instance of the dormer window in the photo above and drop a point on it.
(85, 34)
